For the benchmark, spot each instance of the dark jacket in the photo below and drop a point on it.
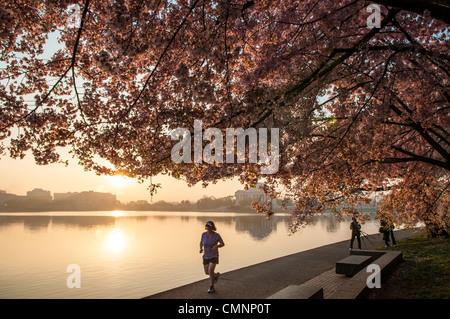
(355, 227)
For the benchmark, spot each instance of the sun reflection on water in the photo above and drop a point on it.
(116, 240)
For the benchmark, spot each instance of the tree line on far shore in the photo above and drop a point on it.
(205, 203)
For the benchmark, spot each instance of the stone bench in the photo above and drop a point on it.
(352, 264)
(356, 287)
(298, 292)
(374, 253)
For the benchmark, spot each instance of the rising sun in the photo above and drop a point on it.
(118, 180)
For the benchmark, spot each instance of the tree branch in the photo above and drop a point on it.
(415, 158)
(324, 70)
(147, 81)
(72, 64)
(418, 127)
(438, 9)
(397, 48)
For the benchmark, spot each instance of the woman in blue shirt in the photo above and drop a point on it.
(211, 242)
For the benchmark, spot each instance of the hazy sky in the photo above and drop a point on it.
(20, 176)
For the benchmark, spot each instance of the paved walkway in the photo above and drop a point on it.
(264, 279)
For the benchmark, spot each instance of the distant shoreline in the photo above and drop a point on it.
(217, 210)
(233, 209)
(122, 210)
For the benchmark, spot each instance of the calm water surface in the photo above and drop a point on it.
(136, 254)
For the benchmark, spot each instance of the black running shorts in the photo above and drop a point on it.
(214, 260)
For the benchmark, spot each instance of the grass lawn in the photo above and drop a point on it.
(425, 273)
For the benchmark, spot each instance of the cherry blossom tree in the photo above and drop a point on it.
(360, 109)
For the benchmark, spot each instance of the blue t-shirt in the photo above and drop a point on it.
(208, 243)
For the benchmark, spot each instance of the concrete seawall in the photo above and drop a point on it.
(264, 279)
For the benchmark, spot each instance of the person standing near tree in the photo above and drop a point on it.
(391, 233)
(211, 242)
(356, 232)
(384, 229)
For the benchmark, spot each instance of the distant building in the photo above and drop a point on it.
(4, 197)
(63, 196)
(41, 200)
(86, 200)
(253, 193)
(39, 193)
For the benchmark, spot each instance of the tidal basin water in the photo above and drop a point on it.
(136, 254)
